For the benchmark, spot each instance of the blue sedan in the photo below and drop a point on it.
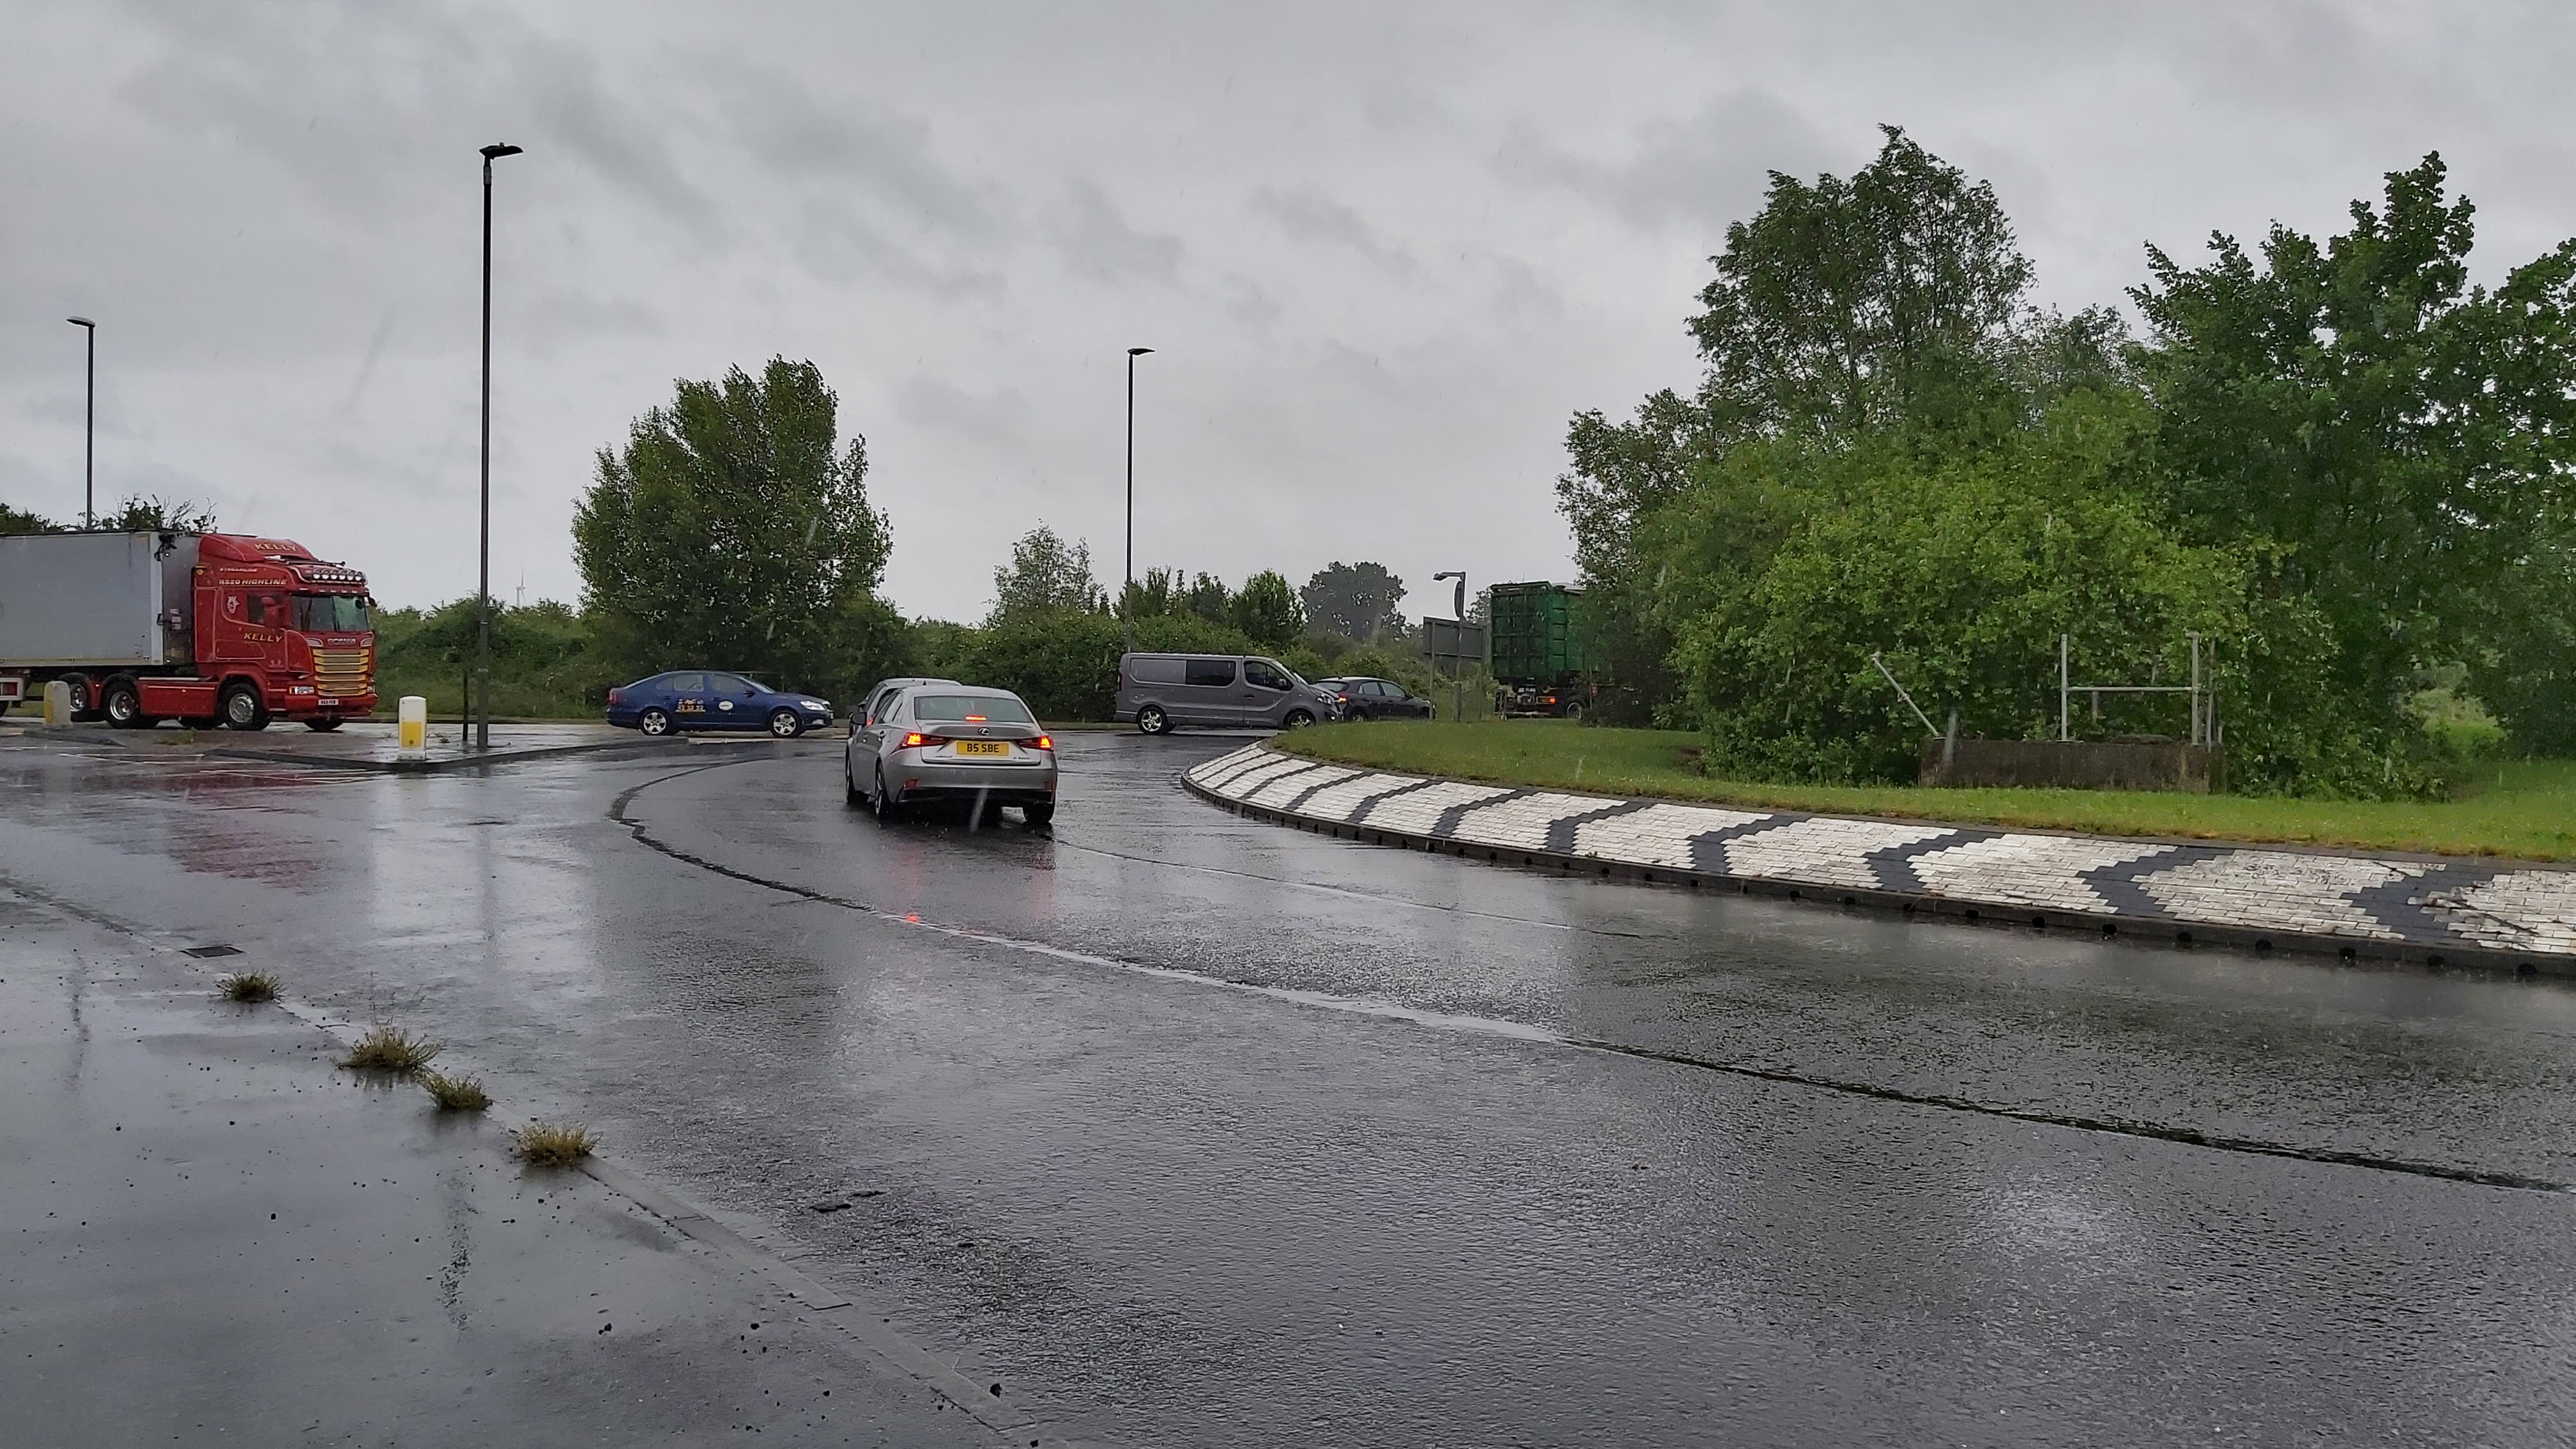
(703, 699)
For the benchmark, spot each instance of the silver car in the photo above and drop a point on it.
(946, 741)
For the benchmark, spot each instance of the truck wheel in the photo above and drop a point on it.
(1573, 709)
(81, 700)
(1153, 721)
(322, 726)
(242, 708)
(121, 702)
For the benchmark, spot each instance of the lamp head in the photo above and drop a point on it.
(81, 322)
(1138, 351)
(1450, 574)
(497, 151)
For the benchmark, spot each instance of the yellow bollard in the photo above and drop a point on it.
(411, 728)
(58, 701)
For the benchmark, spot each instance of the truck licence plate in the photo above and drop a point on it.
(327, 702)
(990, 748)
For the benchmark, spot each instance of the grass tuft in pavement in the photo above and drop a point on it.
(248, 986)
(2515, 808)
(390, 1049)
(553, 1144)
(456, 1094)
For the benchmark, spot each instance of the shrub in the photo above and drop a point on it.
(248, 986)
(553, 1144)
(390, 1049)
(456, 1094)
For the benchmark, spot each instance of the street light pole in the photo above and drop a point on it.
(483, 575)
(1127, 594)
(89, 429)
(1457, 661)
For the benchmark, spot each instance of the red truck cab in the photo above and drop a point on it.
(277, 632)
(204, 628)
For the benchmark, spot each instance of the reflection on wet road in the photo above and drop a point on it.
(1210, 1132)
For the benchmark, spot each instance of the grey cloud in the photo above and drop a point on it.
(1098, 242)
(1311, 216)
(1001, 415)
(351, 103)
(1710, 169)
(834, 241)
(787, 131)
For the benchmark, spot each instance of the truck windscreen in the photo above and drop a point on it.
(331, 613)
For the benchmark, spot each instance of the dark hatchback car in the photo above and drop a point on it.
(708, 699)
(1361, 697)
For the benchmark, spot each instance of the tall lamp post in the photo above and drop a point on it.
(483, 576)
(1458, 661)
(89, 429)
(1127, 595)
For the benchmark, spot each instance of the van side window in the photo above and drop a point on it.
(1264, 673)
(1211, 672)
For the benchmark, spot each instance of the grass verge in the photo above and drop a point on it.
(248, 986)
(390, 1049)
(2523, 809)
(456, 1094)
(552, 1144)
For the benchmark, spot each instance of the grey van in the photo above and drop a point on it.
(1163, 691)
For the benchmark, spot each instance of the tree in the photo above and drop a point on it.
(1357, 601)
(15, 520)
(1208, 598)
(1885, 297)
(2404, 435)
(138, 514)
(733, 530)
(1267, 612)
(1046, 575)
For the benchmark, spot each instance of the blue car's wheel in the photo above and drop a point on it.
(654, 722)
(785, 724)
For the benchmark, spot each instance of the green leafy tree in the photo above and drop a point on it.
(2405, 437)
(1267, 612)
(1962, 570)
(1357, 601)
(1885, 297)
(1046, 574)
(17, 520)
(1894, 298)
(1208, 598)
(733, 530)
(138, 514)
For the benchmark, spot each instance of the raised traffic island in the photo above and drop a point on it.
(2424, 911)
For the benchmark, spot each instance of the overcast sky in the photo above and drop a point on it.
(1385, 250)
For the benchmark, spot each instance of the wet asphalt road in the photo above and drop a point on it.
(1207, 1132)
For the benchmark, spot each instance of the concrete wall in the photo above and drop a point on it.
(2075, 765)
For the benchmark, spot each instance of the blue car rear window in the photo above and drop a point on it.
(999, 709)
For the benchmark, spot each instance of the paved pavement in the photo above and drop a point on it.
(216, 1237)
(1194, 1130)
(2442, 912)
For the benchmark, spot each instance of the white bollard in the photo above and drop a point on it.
(58, 701)
(411, 728)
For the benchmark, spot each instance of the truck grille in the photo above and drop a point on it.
(342, 673)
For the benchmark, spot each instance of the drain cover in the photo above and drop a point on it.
(202, 951)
